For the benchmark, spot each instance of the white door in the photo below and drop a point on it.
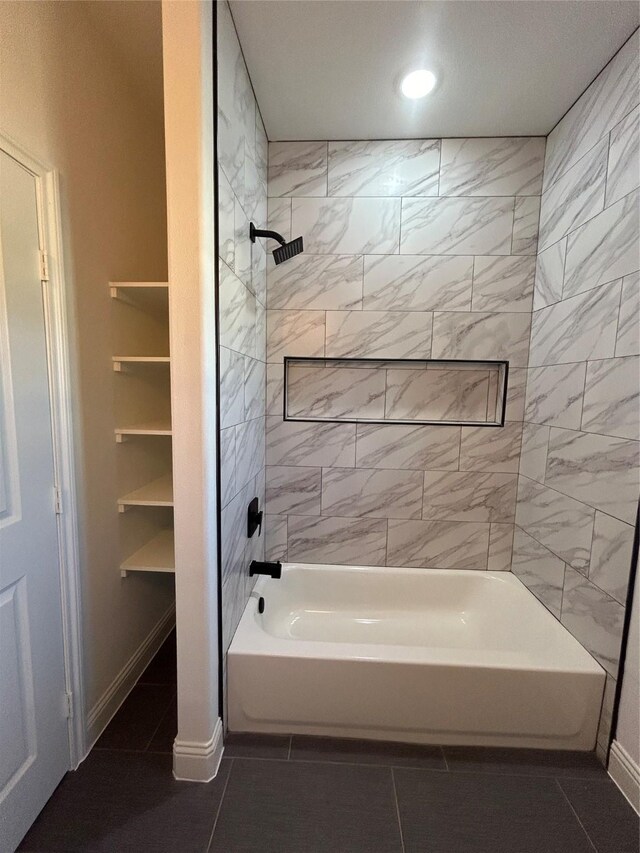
(34, 738)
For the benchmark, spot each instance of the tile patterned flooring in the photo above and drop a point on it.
(280, 794)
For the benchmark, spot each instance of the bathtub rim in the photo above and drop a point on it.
(250, 637)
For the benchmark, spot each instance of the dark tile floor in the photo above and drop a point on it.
(298, 794)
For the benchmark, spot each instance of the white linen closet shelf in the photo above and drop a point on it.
(142, 404)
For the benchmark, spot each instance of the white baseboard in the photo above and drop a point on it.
(108, 704)
(625, 773)
(198, 762)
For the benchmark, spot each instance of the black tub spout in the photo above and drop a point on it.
(272, 569)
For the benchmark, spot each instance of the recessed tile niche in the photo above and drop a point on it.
(395, 391)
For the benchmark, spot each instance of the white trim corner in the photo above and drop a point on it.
(198, 762)
(625, 773)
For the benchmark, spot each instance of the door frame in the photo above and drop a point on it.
(56, 317)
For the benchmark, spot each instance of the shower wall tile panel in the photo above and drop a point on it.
(483, 449)
(576, 196)
(624, 153)
(500, 547)
(486, 167)
(579, 464)
(503, 283)
(605, 248)
(533, 451)
(482, 335)
(438, 544)
(295, 333)
(611, 555)
(295, 490)
(594, 618)
(554, 395)
(297, 168)
(561, 524)
(341, 541)
(440, 394)
(378, 334)
(319, 282)
(539, 569)
(382, 168)
(413, 249)
(242, 195)
(420, 448)
(526, 220)
(549, 275)
(576, 329)
(291, 443)
(335, 392)
(628, 332)
(457, 226)
(605, 409)
(611, 97)
(371, 492)
(599, 470)
(467, 496)
(417, 283)
(349, 226)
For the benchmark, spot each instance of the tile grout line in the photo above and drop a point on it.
(395, 797)
(606, 171)
(160, 721)
(575, 814)
(615, 344)
(417, 768)
(444, 758)
(219, 809)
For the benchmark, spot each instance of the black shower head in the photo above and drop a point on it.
(288, 250)
(285, 250)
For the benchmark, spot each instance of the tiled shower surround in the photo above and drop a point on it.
(242, 176)
(579, 475)
(414, 249)
(518, 249)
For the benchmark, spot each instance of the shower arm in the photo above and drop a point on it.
(259, 232)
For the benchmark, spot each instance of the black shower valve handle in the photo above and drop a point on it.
(254, 518)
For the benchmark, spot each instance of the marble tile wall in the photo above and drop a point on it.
(579, 474)
(242, 179)
(523, 249)
(413, 249)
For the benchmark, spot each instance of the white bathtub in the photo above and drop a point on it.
(417, 655)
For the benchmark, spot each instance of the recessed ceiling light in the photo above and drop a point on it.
(417, 84)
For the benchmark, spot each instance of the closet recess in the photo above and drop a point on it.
(142, 403)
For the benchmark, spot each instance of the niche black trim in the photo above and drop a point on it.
(289, 359)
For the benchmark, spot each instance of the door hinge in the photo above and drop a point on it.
(69, 705)
(57, 499)
(44, 266)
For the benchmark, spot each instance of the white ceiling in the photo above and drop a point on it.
(328, 69)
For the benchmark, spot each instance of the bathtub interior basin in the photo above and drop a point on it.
(417, 655)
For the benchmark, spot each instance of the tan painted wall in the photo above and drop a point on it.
(65, 98)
